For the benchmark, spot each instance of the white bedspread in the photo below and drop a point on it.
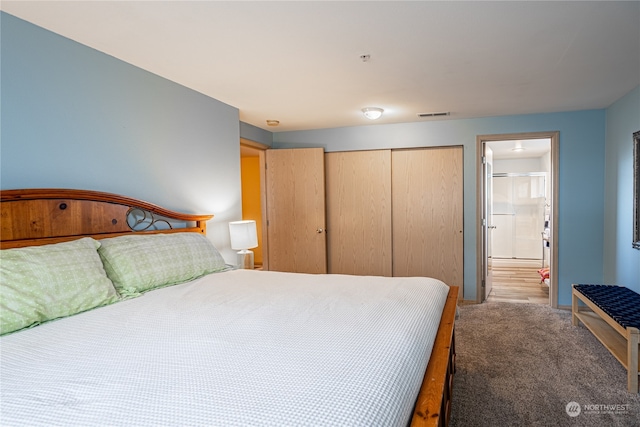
(236, 348)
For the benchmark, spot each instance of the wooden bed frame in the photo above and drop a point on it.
(33, 217)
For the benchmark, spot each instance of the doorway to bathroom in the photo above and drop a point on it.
(518, 187)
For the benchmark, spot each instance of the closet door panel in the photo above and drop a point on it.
(427, 190)
(358, 185)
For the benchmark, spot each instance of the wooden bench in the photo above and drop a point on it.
(613, 316)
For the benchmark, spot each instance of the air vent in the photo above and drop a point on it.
(433, 114)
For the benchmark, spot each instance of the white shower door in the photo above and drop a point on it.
(518, 215)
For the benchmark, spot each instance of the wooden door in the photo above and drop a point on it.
(359, 212)
(295, 206)
(427, 199)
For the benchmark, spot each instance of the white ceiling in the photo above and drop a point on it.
(299, 61)
(531, 148)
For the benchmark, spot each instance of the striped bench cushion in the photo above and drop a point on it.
(620, 303)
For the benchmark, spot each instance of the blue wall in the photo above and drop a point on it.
(581, 180)
(255, 134)
(621, 261)
(73, 117)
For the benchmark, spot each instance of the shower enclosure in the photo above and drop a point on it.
(519, 213)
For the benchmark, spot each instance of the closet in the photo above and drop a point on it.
(358, 187)
(396, 213)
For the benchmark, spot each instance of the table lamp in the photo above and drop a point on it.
(244, 237)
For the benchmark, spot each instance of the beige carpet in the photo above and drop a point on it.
(524, 364)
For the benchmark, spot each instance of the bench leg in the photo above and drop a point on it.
(633, 337)
(574, 307)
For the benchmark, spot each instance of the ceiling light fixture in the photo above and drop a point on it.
(273, 122)
(372, 113)
(518, 147)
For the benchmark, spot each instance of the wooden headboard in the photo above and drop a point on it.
(41, 216)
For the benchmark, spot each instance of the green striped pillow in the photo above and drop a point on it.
(138, 263)
(42, 283)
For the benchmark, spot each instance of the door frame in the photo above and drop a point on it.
(260, 148)
(554, 136)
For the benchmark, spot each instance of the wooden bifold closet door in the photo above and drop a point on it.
(427, 190)
(358, 185)
(396, 212)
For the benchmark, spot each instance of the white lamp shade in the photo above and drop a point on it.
(243, 234)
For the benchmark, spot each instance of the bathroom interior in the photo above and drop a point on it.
(520, 220)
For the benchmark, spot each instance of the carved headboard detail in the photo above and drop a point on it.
(41, 216)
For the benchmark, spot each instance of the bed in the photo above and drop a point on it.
(147, 326)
